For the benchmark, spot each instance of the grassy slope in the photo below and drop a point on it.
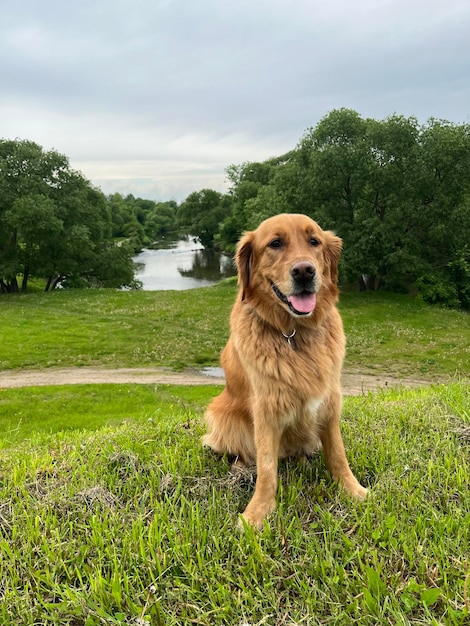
(136, 522)
(181, 329)
(114, 328)
(396, 334)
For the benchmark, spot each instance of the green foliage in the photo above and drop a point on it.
(161, 220)
(250, 204)
(202, 213)
(124, 220)
(460, 269)
(141, 221)
(53, 224)
(395, 191)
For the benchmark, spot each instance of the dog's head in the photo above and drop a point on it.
(290, 260)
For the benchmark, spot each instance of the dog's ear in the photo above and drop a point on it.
(333, 248)
(243, 261)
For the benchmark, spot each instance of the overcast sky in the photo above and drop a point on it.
(158, 97)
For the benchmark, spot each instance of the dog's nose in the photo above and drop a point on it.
(303, 271)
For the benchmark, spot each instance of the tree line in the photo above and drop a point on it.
(55, 226)
(396, 191)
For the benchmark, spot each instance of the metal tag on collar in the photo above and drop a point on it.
(290, 339)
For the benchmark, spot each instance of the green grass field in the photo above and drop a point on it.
(112, 513)
(182, 329)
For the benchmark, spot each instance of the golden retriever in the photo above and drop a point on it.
(283, 359)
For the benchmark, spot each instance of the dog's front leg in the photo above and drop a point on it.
(334, 453)
(267, 440)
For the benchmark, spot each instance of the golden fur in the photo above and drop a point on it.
(282, 396)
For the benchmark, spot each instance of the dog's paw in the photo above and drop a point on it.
(353, 487)
(245, 522)
(242, 524)
(257, 512)
(365, 493)
(359, 492)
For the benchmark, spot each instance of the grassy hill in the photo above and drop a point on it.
(112, 513)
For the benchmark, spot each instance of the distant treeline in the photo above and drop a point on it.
(397, 192)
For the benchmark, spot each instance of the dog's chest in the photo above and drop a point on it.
(271, 363)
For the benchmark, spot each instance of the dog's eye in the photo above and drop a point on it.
(275, 243)
(314, 242)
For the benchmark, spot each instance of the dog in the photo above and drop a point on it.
(283, 359)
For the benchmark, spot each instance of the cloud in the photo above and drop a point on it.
(160, 97)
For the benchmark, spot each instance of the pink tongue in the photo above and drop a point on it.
(304, 303)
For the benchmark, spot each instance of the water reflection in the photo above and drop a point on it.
(209, 265)
(181, 264)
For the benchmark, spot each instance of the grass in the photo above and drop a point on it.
(112, 513)
(47, 411)
(113, 328)
(404, 336)
(180, 329)
(133, 523)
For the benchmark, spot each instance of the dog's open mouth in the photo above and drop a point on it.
(301, 303)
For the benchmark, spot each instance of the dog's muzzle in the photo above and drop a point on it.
(302, 303)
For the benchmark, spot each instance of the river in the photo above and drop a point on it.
(181, 264)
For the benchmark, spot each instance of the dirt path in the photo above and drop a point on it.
(353, 384)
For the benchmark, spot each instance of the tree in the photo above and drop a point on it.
(161, 220)
(128, 219)
(202, 213)
(53, 223)
(379, 250)
(397, 193)
(444, 202)
(35, 225)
